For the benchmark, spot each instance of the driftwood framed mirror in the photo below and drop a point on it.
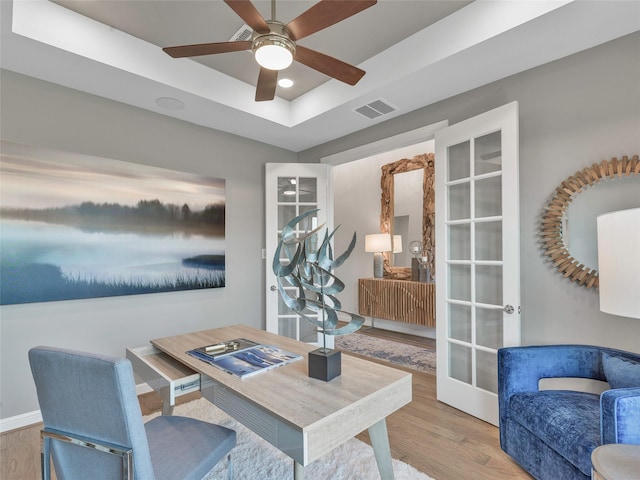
(424, 162)
(553, 226)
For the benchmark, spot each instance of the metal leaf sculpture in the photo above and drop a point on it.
(308, 268)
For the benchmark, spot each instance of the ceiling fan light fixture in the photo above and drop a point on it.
(273, 51)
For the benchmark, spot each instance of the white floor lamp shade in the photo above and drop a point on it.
(377, 243)
(619, 262)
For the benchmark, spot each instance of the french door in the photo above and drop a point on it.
(477, 257)
(291, 190)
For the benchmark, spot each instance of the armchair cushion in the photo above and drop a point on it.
(569, 422)
(621, 372)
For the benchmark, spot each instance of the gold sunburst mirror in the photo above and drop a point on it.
(552, 229)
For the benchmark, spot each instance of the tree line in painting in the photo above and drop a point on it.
(113, 215)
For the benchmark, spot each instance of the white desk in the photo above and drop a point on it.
(305, 418)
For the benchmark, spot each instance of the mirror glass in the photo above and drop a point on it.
(579, 223)
(407, 212)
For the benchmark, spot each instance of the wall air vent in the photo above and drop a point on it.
(375, 109)
(243, 34)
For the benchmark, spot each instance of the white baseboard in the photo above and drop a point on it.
(31, 418)
(19, 421)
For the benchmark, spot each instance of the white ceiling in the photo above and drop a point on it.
(414, 52)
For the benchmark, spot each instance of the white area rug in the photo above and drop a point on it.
(256, 459)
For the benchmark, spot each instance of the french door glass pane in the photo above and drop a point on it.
(459, 242)
(460, 322)
(487, 371)
(287, 189)
(308, 189)
(489, 284)
(459, 201)
(460, 282)
(489, 240)
(307, 331)
(285, 214)
(487, 153)
(489, 327)
(287, 327)
(488, 197)
(459, 161)
(460, 363)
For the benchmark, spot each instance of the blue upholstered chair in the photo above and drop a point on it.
(94, 430)
(552, 433)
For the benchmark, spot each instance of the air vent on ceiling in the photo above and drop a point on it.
(244, 33)
(375, 109)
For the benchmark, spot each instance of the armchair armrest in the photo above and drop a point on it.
(620, 416)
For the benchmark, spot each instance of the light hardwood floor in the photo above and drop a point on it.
(436, 439)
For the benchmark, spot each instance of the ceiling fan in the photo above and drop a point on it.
(274, 43)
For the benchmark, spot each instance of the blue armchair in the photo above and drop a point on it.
(551, 433)
(93, 425)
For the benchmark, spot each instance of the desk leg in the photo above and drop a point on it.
(380, 443)
(167, 408)
(298, 471)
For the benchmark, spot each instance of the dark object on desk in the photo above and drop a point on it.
(93, 425)
(325, 364)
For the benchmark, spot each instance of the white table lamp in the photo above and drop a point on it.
(377, 243)
(619, 262)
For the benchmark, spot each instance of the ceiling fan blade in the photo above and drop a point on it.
(328, 65)
(206, 49)
(324, 14)
(251, 16)
(266, 88)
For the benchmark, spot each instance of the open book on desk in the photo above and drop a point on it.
(247, 361)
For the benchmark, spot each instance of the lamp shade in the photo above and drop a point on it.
(397, 244)
(377, 242)
(619, 262)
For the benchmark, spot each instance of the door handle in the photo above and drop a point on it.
(508, 309)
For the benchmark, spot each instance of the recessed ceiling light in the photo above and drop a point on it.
(169, 103)
(285, 82)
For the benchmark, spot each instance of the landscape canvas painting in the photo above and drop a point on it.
(76, 226)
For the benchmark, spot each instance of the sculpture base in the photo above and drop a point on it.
(325, 364)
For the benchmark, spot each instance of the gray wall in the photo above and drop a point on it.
(41, 114)
(573, 112)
